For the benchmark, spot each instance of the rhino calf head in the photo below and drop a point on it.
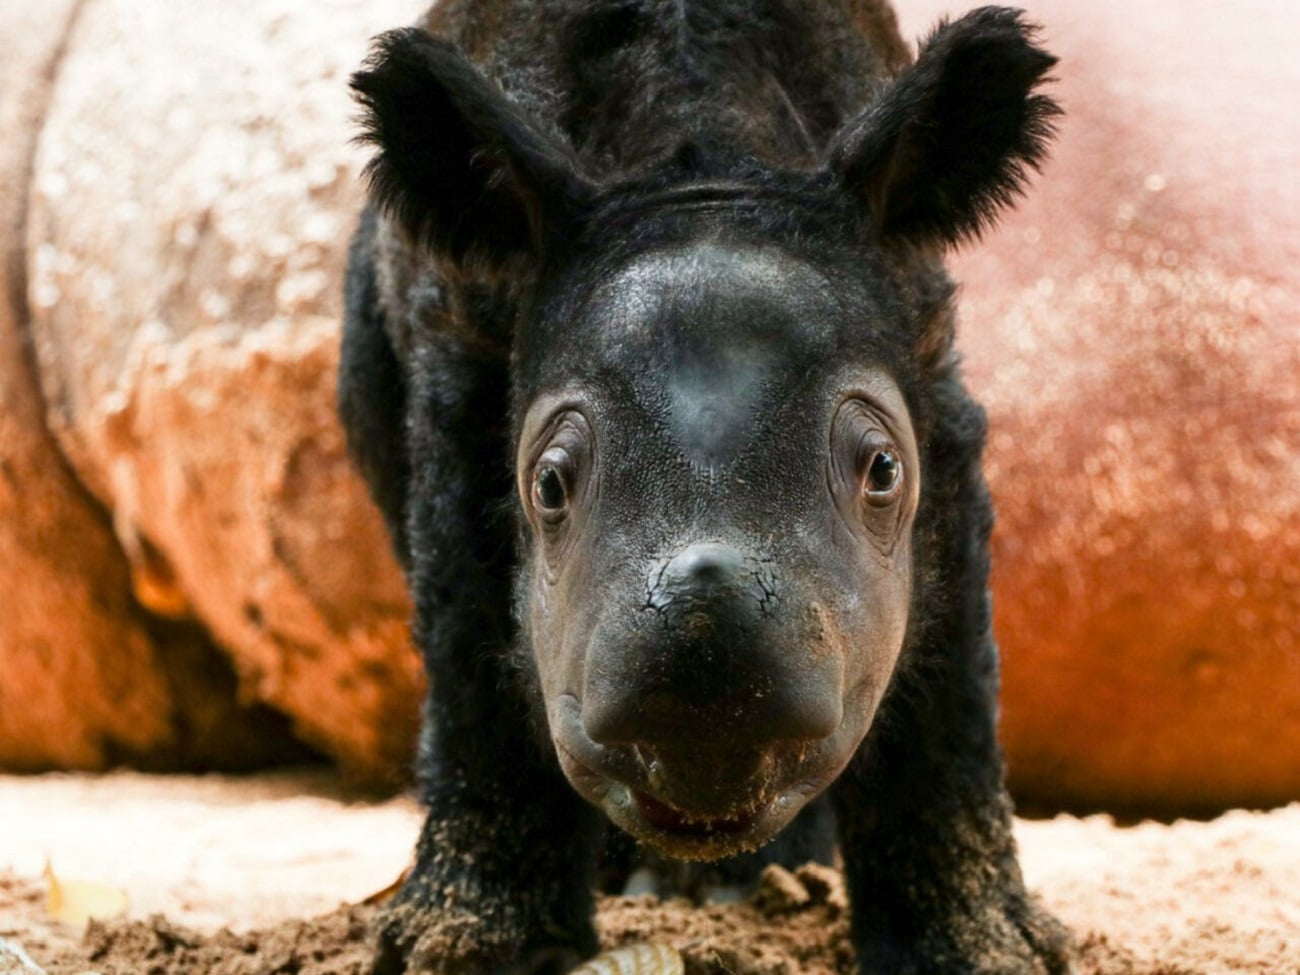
(748, 556)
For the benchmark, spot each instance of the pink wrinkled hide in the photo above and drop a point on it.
(1134, 330)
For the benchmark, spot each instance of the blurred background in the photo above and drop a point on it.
(191, 577)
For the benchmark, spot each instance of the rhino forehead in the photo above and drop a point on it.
(711, 338)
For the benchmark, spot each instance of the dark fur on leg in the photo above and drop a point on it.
(496, 800)
(924, 819)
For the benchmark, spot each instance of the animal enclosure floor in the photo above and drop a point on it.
(236, 876)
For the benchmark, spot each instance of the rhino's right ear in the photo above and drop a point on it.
(458, 165)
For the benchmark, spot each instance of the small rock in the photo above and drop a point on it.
(779, 891)
(14, 960)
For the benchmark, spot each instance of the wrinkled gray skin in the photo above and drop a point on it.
(706, 669)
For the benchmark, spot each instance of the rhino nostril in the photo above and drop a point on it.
(699, 571)
(706, 565)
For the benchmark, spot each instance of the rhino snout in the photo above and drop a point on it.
(709, 660)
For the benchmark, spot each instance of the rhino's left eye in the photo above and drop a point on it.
(871, 466)
(883, 475)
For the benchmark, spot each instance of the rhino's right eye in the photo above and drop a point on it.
(549, 490)
(556, 475)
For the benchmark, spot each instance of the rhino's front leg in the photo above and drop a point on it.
(503, 874)
(935, 886)
(506, 860)
(925, 820)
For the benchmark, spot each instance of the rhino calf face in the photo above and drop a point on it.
(720, 496)
(687, 283)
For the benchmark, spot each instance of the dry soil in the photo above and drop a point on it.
(253, 876)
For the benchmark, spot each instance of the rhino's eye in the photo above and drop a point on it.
(556, 477)
(883, 475)
(548, 490)
(553, 479)
(873, 467)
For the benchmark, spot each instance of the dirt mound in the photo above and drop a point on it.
(228, 876)
(795, 924)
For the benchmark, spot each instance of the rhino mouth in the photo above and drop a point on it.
(671, 820)
(663, 816)
(682, 833)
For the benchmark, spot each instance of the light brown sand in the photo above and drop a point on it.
(257, 855)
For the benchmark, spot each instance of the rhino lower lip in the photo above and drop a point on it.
(638, 811)
(616, 780)
(665, 817)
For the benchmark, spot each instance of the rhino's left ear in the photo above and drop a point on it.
(951, 140)
(458, 165)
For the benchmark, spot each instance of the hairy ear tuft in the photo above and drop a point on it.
(952, 140)
(459, 166)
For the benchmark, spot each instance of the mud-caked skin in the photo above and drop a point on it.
(648, 362)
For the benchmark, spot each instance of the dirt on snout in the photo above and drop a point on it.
(236, 876)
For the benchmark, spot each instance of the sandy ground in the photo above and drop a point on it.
(268, 874)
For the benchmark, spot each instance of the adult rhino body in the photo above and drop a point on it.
(648, 361)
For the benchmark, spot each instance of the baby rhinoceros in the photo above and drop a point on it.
(649, 364)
